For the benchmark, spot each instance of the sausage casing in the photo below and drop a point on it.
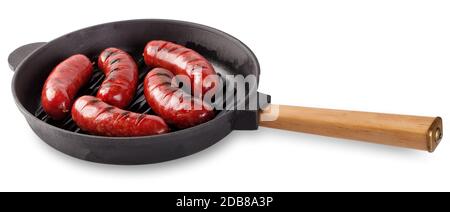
(97, 117)
(120, 69)
(172, 104)
(63, 83)
(182, 61)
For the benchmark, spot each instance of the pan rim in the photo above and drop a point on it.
(222, 113)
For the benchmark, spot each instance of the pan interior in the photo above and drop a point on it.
(228, 56)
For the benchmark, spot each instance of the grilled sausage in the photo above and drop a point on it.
(182, 61)
(172, 104)
(120, 69)
(97, 117)
(63, 84)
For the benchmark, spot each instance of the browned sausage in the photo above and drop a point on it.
(97, 117)
(63, 84)
(182, 61)
(119, 86)
(172, 104)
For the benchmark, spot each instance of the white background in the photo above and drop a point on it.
(382, 56)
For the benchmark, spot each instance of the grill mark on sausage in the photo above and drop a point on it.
(170, 93)
(120, 116)
(108, 109)
(113, 70)
(162, 74)
(93, 101)
(140, 118)
(195, 60)
(172, 49)
(161, 84)
(114, 61)
(125, 115)
(165, 84)
(183, 53)
(162, 46)
(110, 54)
(90, 102)
(113, 82)
(104, 110)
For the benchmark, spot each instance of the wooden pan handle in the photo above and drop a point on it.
(417, 132)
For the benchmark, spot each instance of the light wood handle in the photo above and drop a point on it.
(417, 132)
